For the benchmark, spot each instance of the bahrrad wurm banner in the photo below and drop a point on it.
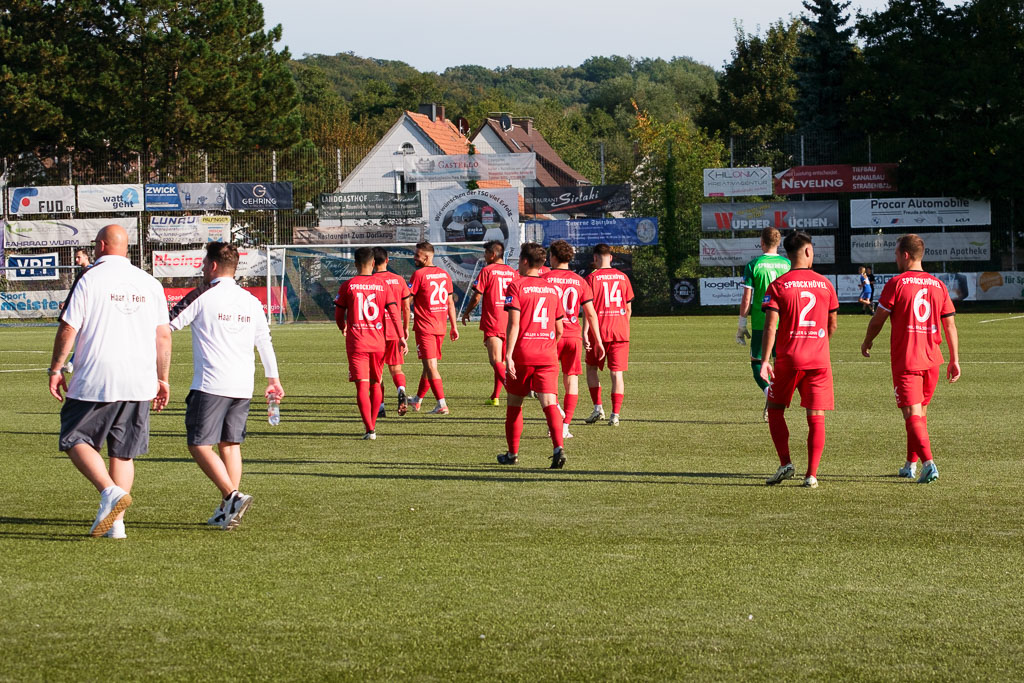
(186, 197)
(73, 232)
(110, 198)
(916, 212)
(464, 167)
(587, 232)
(49, 199)
(189, 229)
(458, 215)
(740, 251)
(938, 246)
(737, 182)
(813, 215)
(189, 263)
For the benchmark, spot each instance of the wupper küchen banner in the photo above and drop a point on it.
(374, 205)
(916, 212)
(737, 182)
(592, 200)
(811, 215)
(834, 178)
(464, 167)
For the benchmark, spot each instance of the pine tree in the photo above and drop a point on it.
(826, 54)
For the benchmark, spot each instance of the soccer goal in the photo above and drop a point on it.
(302, 280)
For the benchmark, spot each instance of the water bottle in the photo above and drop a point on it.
(274, 409)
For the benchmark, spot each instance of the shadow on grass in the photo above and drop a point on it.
(22, 527)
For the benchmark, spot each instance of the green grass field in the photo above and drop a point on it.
(658, 553)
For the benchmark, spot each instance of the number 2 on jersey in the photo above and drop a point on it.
(805, 311)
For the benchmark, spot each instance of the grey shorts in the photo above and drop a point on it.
(212, 419)
(124, 425)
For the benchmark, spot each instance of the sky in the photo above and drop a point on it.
(432, 35)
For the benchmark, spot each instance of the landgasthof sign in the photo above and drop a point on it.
(32, 304)
(463, 167)
(73, 232)
(594, 200)
(740, 251)
(938, 246)
(103, 198)
(737, 182)
(587, 232)
(49, 199)
(189, 263)
(915, 212)
(259, 196)
(812, 215)
(835, 178)
(33, 266)
(370, 205)
(189, 229)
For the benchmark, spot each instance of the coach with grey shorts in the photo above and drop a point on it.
(227, 322)
(117, 313)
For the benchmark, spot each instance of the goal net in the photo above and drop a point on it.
(302, 280)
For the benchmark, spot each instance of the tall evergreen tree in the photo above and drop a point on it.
(822, 68)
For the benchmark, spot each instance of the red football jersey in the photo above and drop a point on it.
(492, 283)
(364, 299)
(400, 292)
(573, 291)
(612, 291)
(803, 299)
(539, 307)
(917, 302)
(430, 286)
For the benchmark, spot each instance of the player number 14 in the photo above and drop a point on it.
(612, 294)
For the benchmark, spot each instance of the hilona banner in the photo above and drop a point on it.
(740, 251)
(591, 200)
(938, 246)
(370, 205)
(837, 178)
(49, 199)
(812, 215)
(108, 198)
(189, 263)
(186, 197)
(737, 182)
(189, 229)
(916, 212)
(463, 167)
(72, 232)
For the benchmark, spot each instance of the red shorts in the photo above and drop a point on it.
(540, 378)
(616, 355)
(815, 387)
(494, 331)
(364, 365)
(393, 352)
(913, 387)
(428, 346)
(569, 355)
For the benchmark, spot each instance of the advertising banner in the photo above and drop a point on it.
(186, 197)
(259, 196)
(740, 251)
(51, 199)
(737, 182)
(367, 234)
(73, 232)
(586, 232)
(593, 200)
(837, 178)
(458, 215)
(373, 205)
(33, 266)
(189, 263)
(919, 212)
(815, 215)
(938, 246)
(45, 304)
(106, 198)
(463, 167)
(176, 294)
(189, 229)
(684, 292)
(999, 286)
(721, 291)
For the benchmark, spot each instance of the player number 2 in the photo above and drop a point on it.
(368, 309)
(438, 294)
(612, 294)
(805, 311)
(540, 315)
(922, 307)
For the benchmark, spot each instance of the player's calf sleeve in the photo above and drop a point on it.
(815, 442)
(437, 388)
(755, 365)
(376, 398)
(595, 395)
(399, 381)
(913, 448)
(780, 433)
(363, 401)
(617, 402)
(514, 427)
(920, 428)
(421, 391)
(554, 419)
(499, 379)
(569, 406)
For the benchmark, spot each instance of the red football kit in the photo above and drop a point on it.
(803, 299)
(362, 301)
(400, 290)
(573, 291)
(612, 291)
(491, 284)
(917, 302)
(536, 349)
(430, 287)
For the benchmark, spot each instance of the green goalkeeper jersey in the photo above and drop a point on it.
(757, 275)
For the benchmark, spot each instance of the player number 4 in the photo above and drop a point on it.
(540, 315)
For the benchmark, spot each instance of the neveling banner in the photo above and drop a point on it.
(594, 200)
(837, 178)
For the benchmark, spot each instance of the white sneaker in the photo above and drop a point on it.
(415, 402)
(370, 436)
(613, 421)
(784, 472)
(218, 516)
(598, 414)
(929, 473)
(116, 530)
(439, 410)
(234, 508)
(111, 505)
(566, 434)
(908, 471)
(810, 483)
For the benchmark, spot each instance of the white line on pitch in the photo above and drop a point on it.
(995, 320)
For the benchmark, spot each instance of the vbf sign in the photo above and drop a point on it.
(33, 267)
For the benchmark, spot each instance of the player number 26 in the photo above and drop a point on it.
(438, 294)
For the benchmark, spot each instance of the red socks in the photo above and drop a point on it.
(554, 418)
(376, 398)
(399, 380)
(780, 433)
(363, 401)
(499, 379)
(437, 388)
(514, 427)
(569, 406)
(421, 391)
(617, 402)
(918, 441)
(815, 442)
(595, 395)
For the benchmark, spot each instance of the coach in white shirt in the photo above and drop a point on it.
(227, 321)
(118, 315)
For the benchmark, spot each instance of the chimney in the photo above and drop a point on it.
(440, 111)
(433, 110)
(524, 122)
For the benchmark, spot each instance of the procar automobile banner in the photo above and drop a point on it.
(33, 266)
(737, 182)
(834, 178)
(44, 304)
(366, 234)
(592, 200)
(587, 232)
(815, 215)
(49, 199)
(458, 215)
(370, 205)
(938, 246)
(108, 198)
(186, 197)
(259, 196)
(463, 167)
(189, 263)
(919, 212)
(72, 232)
(740, 251)
(189, 229)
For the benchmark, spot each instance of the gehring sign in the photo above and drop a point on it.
(259, 196)
(737, 182)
